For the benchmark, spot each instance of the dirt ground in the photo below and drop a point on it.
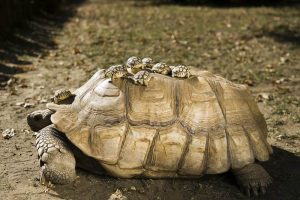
(258, 46)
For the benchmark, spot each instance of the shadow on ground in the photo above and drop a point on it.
(285, 34)
(283, 167)
(32, 38)
(224, 3)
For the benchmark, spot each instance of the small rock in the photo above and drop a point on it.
(8, 133)
(132, 188)
(25, 131)
(10, 82)
(117, 196)
(43, 101)
(281, 80)
(52, 54)
(279, 137)
(76, 50)
(141, 190)
(20, 104)
(249, 82)
(28, 105)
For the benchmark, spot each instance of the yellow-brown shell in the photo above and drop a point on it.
(171, 128)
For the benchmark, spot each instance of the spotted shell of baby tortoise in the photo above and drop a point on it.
(148, 62)
(61, 95)
(135, 65)
(132, 61)
(142, 78)
(116, 71)
(161, 68)
(180, 71)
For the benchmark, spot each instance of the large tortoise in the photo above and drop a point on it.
(173, 127)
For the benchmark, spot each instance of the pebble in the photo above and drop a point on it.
(8, 133)
(43, 101)
(28, 105)
(20, 104)
(117, 196)
(25, 131)
(132, 188)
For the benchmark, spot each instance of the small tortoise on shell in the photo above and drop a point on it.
(171, 128)
(142, 77)
(61, 95)
(180, 71)
(148, 62)
(116, 71)
(161, 68)
(135, 64)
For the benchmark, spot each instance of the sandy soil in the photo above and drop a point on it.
(62, 50)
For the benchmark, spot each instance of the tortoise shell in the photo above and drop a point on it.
(171, 128)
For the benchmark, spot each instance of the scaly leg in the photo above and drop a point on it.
(253, 179)
(56, 160)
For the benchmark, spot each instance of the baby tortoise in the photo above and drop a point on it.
(181, 71)
(148, 62)
(61, 95)
(116, 71)
(135, 65)
(161, 68)
(142, 77)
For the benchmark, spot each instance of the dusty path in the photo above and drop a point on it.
(97, 34)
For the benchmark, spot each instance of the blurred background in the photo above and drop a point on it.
(52, 44)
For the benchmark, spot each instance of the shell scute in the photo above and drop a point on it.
(105, 143)
(136, 147)
(168, 149)
(241, 152)
(198, 106)
(218, 155)
(106, 89)
(195, 159)
(246, 122)
(151, 105)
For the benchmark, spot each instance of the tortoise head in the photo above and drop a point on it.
(39, 119)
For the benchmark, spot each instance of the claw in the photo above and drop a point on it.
(255, 191)
(49, 186)
(253, 179)
(247, 191)
(76, 182)
(263, 189)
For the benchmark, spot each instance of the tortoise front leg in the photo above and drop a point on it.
(253, 179)
(56, 160)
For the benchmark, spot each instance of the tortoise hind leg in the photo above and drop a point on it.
(253, 179)
(56, 160)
